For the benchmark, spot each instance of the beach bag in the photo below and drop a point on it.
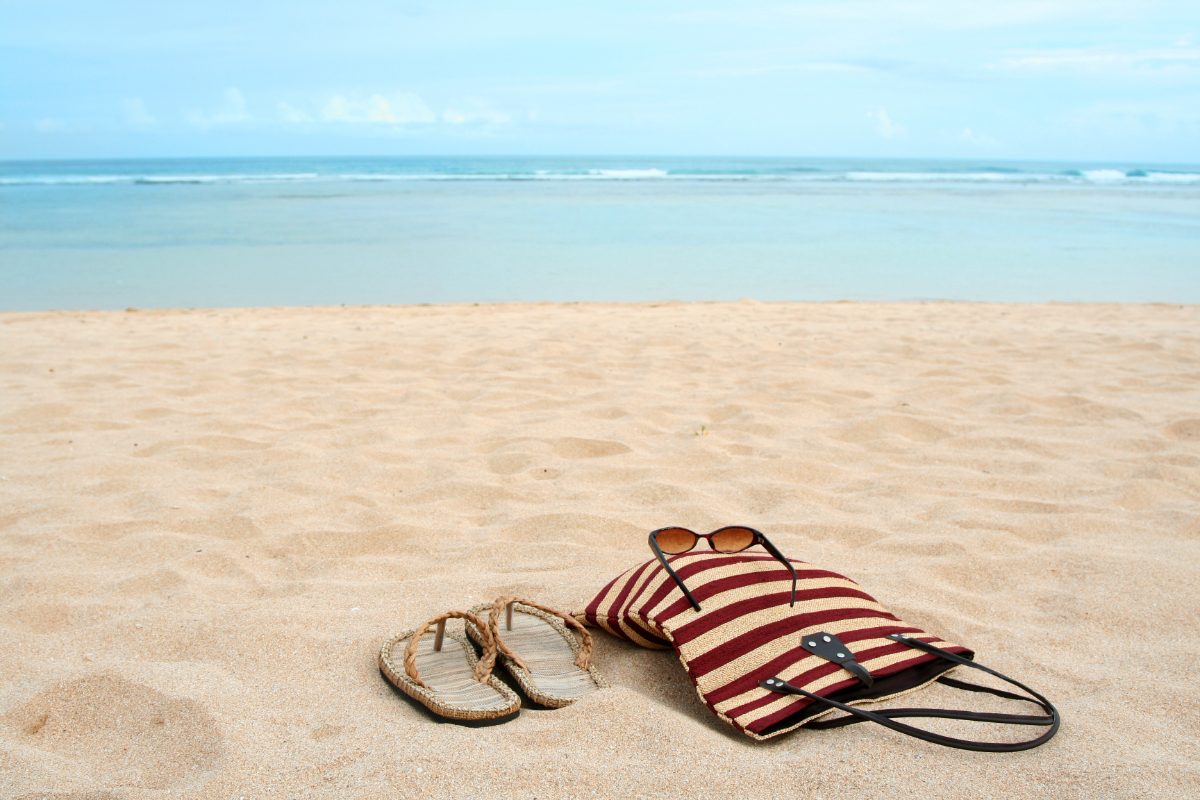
(768, 667)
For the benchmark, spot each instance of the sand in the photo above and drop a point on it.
(210, 520)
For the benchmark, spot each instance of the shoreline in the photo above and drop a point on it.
(646, 304)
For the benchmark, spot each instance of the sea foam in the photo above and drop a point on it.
(678, 170)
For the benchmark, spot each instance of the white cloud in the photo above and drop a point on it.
(886, 126)
(399, 108)
(48, 125)
(1181, 59)
(231, 111)
(292, 115)
(392, 111)
(136, 113)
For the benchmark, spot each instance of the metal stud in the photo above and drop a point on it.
(841, 655)
(812, 644)
(828, 639)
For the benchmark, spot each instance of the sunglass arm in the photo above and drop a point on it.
(678, 582)
(774, 551)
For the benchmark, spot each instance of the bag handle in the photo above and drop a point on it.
(887, 718)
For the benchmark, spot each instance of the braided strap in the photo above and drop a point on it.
(483, 669)
(585, 648)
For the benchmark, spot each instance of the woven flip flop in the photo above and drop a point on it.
(551, 666)
(452, 683)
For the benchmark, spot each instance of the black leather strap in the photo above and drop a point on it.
(939, 713)
(888, 717)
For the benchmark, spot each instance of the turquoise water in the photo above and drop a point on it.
(302, 231)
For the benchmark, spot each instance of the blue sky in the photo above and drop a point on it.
(1053, 79)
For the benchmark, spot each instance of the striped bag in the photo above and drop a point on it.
(767, 667)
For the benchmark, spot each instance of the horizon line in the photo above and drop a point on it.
(496, 156)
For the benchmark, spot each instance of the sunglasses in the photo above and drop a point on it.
(730, 539)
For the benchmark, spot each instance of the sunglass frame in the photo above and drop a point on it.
(759, 538)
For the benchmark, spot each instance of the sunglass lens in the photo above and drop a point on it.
(675, 540)
(732, 540)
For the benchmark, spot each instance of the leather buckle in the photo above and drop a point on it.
(830, 647)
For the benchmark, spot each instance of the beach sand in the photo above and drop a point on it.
(210, 520)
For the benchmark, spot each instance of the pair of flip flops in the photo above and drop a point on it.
(533, 644)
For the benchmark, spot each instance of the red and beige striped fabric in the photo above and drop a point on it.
(746, 632)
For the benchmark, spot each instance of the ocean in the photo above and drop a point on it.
(327, 231)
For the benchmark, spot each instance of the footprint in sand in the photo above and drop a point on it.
(572, 447)
(120, 733)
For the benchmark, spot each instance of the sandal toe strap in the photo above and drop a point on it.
(483, 668)
(585, 646)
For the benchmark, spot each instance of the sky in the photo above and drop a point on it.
(1018, 79)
